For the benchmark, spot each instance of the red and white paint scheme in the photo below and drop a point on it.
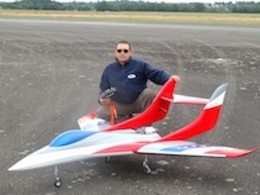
(97, 138)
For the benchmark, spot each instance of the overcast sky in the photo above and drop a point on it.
(168, 1)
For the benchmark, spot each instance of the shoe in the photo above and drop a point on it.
(150, 130)
(140, 130)
(146, 130)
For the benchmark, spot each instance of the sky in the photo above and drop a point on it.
(166, 1)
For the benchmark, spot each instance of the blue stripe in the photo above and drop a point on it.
(70, 137)
(181, 148)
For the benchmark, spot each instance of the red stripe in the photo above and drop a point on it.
(131, 147)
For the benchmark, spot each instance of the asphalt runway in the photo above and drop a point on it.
(49, 74)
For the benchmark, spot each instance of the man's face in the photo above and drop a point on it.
(123, 53)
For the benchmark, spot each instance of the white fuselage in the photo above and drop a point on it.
(83, 149)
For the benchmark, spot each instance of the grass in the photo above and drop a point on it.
(160, 17)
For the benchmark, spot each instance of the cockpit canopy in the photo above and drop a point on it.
(70, 137)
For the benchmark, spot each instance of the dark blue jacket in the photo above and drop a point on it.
(130, 79)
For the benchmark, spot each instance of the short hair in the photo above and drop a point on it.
(124, 42)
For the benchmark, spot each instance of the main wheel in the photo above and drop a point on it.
(108, 159)
(147, 170)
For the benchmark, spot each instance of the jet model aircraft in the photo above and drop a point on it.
(98, 138)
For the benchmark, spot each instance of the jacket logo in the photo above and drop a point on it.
(131, 76)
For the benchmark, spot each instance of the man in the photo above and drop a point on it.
(128, 76)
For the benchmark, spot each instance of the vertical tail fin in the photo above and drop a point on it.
(205, 121)
(155, 112)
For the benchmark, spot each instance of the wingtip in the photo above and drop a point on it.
(231, 152)
(237, 153)
(242, 153)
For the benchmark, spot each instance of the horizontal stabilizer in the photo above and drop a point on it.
(184, 99)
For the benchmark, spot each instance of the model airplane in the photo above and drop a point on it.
(98, 138)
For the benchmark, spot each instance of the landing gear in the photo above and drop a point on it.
(147, 169)
(108, 159)
(58, 180)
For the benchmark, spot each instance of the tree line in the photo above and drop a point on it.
(126, 5)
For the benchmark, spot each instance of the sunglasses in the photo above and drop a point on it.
(122, 50)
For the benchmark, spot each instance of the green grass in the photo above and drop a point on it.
(160, 17)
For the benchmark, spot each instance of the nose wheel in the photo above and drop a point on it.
(58, 180)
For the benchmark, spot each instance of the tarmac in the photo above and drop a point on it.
(49, 77)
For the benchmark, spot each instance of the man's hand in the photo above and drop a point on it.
(176, 78)
(104, 101)
(105, 96)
